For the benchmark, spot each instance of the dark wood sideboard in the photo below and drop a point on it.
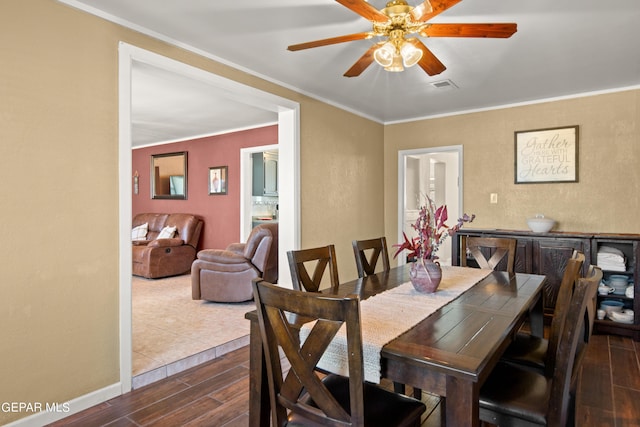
(547, 254)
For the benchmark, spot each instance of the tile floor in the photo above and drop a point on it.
(172, 332)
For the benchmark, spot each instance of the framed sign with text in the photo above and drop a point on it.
(546, 155)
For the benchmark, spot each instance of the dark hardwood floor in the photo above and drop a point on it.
(609, 393)
(216, 393)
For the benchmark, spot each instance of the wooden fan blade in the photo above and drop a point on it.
(362, 63)
(365, 10)
(429, 63)
(420, 13)
(500, 30)
(332, 40)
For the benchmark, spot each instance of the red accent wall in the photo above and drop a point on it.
(221, 213)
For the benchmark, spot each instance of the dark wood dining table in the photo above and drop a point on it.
(450, 353)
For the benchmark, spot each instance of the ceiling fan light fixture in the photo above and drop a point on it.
(384, 54)
(396, 65)
(410, 54)
(399, 20)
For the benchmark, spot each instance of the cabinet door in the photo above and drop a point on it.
(258, 174)
(550, 259)
(270, 175)
(523, 261)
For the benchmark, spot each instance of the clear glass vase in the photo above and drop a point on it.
(425, 275)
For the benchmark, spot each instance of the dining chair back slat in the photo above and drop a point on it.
(368, 253)
(320, 258)
(489, 252)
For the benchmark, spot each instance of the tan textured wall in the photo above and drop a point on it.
(342, 180)
(604, 200)
(59, 167)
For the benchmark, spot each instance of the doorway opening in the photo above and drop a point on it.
(288, 144)
(435, 172)
(252, 203)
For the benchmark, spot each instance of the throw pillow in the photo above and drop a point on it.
(167, 233)
(139, 232)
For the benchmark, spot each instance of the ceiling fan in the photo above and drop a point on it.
(397, 23)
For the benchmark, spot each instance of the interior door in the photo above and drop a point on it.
(436, 172)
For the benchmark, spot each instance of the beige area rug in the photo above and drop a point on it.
(172, 332)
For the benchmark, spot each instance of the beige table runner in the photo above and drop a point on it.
(389, 314)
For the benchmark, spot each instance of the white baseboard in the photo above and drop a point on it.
(69, 408)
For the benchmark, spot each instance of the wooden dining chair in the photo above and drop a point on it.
(368, 253)
(539, 353)
(492, 253)
(320, 258)
(515, 396)
(303, 396)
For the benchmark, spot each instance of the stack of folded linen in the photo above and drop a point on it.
(611, 259)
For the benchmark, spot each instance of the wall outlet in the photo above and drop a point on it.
(493, 198)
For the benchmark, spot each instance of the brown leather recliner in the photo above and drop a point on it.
(154, 258)
(226, 275)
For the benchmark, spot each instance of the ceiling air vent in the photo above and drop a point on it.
(443, 84)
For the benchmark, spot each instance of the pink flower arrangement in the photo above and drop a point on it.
(432, 231)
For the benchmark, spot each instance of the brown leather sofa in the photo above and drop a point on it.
(154, 258)
(225, 275)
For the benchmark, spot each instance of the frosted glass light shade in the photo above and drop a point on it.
(410, 54)
(384, 54)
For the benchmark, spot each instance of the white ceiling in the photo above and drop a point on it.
(168, 107)
(562, 48)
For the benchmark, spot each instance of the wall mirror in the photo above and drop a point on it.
(169, 176)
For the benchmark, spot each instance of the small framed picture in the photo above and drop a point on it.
(546, 155)
(218, 180)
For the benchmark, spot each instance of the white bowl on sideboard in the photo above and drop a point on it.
(540, 224)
